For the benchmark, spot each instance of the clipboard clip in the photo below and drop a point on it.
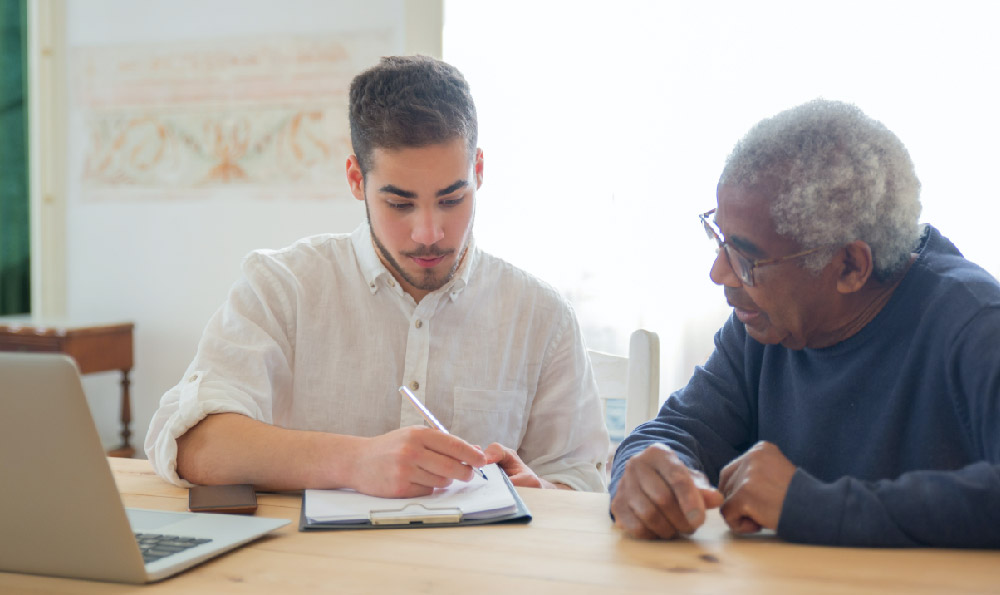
(412, 514)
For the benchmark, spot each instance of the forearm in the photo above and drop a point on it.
(922, 508)
(232, 448)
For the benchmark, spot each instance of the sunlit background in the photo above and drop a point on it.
(605, 127)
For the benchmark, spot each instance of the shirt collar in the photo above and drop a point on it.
(372, 267)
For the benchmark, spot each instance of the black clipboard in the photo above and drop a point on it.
(417, 516)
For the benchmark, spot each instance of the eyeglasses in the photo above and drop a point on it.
(742, 264)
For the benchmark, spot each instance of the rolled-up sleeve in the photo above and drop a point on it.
(243, 361)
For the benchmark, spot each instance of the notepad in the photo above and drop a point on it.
(463, 502)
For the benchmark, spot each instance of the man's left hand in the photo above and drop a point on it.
(755, 485)
(520, 474)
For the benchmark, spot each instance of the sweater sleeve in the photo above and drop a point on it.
(931, 508)
(710, 421)
(920, 508)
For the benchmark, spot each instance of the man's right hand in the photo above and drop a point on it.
(659, 497)
(411, 462)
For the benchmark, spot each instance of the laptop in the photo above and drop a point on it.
(60, 511)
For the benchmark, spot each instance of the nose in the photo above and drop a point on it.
(427, 227)
(722, 272)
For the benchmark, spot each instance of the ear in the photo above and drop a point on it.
(856, 266)
(355, 179)
(478, 168)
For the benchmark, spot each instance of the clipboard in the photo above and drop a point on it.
(421, 513)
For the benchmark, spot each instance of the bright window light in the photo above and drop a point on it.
(605, 126)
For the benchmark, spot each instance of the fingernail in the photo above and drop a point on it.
(693, 516)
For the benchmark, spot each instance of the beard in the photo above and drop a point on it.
(427, 279)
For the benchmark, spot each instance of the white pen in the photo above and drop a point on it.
(430, 418)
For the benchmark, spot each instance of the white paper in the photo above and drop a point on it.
(476, 499)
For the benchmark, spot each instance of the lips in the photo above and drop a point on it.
(427, 263)
(743, 314)
(427, 259)
(747, 316)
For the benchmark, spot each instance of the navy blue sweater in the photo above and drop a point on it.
(895, 431)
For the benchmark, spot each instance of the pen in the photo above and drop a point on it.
(430, 418)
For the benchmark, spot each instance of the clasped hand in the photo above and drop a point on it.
(659, 497)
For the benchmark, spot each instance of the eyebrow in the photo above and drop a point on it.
(745, 246)
(390, 189)
(455, 186)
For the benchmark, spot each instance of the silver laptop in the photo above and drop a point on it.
(60, 511)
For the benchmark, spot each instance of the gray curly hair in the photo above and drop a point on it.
(839, 176)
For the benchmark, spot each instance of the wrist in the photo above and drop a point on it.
(335, 460)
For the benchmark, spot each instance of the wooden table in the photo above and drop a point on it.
(96, 348)
(569, 547)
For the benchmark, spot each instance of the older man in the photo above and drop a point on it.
(853, 397)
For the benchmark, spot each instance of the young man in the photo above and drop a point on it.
(854, 396)
(295, 381)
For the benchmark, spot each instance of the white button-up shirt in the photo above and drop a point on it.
(319, 336)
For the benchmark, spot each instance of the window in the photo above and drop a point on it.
(605, 126)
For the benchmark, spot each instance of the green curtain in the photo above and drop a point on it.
(15, 295)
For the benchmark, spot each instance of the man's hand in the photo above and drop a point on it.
(659, 497)
(755, 485)
(520, 474)
(411, 462)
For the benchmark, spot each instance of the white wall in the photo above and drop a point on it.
(168, 264)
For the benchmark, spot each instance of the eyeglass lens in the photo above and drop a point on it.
(742, 267)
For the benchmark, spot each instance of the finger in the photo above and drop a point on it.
(495, 453)
(689, 512)
(445, 467)
(743, 525)
(738, 516)
(638, 517)
(633, 527)
(748, 525)
(422, 483)
(726, 475)
(648, 500)
(659, 510)
(453, 447)
(711, 497)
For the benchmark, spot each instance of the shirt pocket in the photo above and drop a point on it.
(486, 416)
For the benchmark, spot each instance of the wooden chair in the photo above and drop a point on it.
(629, 386)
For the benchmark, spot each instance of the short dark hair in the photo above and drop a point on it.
(410, 101)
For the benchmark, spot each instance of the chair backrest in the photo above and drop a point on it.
(629, 387)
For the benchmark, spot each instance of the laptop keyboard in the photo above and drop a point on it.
(155, 546)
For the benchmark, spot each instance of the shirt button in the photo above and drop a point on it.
(392, 283)
(193, 378)
(418, 323)
(414, 385)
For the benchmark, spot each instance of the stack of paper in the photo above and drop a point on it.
(462, 500)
